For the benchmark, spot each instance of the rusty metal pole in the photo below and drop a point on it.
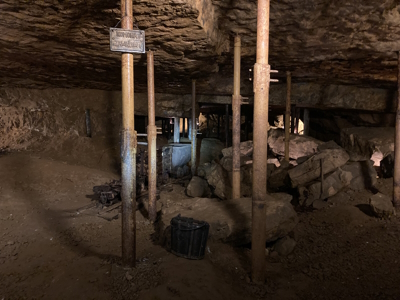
(261, 94)
(194, 129)
(128, 148)
(287, 115)
(152, 139)
(226, 126)
(236, 99)
(396, 176)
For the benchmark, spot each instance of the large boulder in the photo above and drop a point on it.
(198, 187)
(279, 177)
(204, 170)
(357, 175)
(210, 149)
(311, 168)
(218, 178)
(381, 205)
(363, 174)
(227, 163)
(365, 143)
(299, 145)
(230, 220)
(333, 183)
(246, 149)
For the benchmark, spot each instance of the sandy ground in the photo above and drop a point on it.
(50, 251)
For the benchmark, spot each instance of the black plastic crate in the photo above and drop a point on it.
(188, 237)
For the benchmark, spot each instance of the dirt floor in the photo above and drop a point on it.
(49, 250)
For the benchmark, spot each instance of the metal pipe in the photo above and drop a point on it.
(194, 129)
(261, 94)
(128, 149)
(287, 114)
(88, 128)
(190, 129)
(176, 130)
(236, 99)
(306, 121)
(226, 126)
(152, 138)
(396, 176)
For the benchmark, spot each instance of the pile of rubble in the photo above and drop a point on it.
(316, 171)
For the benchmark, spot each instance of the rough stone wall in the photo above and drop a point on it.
(52, 122)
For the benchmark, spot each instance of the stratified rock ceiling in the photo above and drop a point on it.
(60, 43)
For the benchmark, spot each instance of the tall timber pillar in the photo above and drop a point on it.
(261, 92)
(152, 139)
(396, 176)
(128, 149)
(236, 102)
(194, 129)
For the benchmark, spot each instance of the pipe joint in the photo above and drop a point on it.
(151, 131)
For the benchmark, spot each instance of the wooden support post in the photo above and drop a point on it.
(128, 148)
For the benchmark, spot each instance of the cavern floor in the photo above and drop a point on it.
(49, 251)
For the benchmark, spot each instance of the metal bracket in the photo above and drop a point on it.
(239, 98)
(262, 77)
(244, 98)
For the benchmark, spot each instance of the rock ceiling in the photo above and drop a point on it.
(59, 43)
